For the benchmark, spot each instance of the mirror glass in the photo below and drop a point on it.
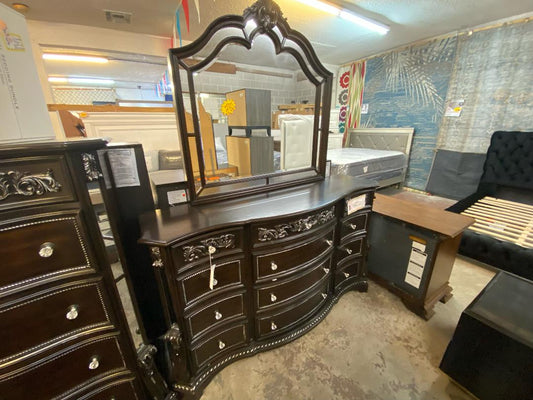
(248, 101)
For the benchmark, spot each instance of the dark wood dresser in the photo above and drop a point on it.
(63, 334)
(246, 275)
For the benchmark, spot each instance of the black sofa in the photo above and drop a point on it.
(507, 174)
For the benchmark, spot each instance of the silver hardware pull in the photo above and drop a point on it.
(214, 282)
(346, 274)
(274, 280)
(218, 315)
(329, 242)
(273, 297)
(95, 363)
(353, 226)
(326, 270)
(308, 225)
(273, 266)
(349, 251)
(273, 326)
(72, 312)
(324, 295)
(211, 249)
(46, 250)
(221, 344)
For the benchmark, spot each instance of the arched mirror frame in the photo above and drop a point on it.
(269, 21)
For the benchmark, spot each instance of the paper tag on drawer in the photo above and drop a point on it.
(356, 203)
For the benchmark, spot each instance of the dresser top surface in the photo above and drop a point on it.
(50, 146)
(162, 227)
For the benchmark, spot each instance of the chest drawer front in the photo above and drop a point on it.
(41, 249)
(280, 292)
(271, 264)
(33, 181)
(355, 223)
(352, 247)
(349, 269)
(37, 321)
(119, 391)
(196, 286)
(221, 343)
(282, 321)
(291, 227)
(215, 314)
(224, 242)
(64, 372)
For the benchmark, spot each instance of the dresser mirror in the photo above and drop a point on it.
(227, 84)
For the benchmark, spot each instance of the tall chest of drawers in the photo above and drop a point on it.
(243, 276)
(63, 334)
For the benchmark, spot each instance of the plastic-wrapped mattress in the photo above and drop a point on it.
(373, 164)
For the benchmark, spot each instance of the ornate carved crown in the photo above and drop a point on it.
(266, 14)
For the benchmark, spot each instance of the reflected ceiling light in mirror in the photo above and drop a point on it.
(75, 57)
(250, 25)
(85, 81)
(348, 16)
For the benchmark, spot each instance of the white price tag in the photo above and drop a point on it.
(211, 250)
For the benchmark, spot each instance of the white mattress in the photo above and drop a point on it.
(366, 162)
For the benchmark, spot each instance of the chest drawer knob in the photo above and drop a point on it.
(346, 274)
(46, 250)
(324, 295)
(214, 282)
(273, 297)
(218, 315)
(273, 266)
(326, 270)
(73, 312)
(95, 363)
(353, 226)
(329, 242)
(349, 251)
(221, 344)
(273, 326)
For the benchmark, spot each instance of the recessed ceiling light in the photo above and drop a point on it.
(21, 8)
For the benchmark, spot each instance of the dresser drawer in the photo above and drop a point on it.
(291, 227)
(224, 242)
(39, 250)
(196, 285)
(64, 372)
(274, 263)
(119, 391)
(37, 320)
(215, 314)
(281, 291)
(34, 181)
(221, 343)
(353, 246)
(348, 269)
(275, 323)
(354, 223)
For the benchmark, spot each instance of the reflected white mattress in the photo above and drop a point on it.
(367, 162)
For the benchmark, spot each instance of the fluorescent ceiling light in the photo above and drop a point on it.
(73, 57)
(88, 81)
(348, 16)
(57, 79)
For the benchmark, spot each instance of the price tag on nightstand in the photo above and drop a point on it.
(212, 267)
(356, 203)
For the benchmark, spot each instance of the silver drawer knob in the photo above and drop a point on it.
(221, 344)
(214, 282)
(46, 250)
(273, 297)
(95, 363)
(273, 326)
(349, 251)
(218, 315)
(72, 312)
(329, 242)
(324, 295)
(353, 226)
(326, 270)
(211, 249)
(346, 274)
(273, 266)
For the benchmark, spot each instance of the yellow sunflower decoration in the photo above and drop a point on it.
(227, 107)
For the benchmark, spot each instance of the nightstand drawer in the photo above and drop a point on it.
(64, 372)
(196, 285)
(215, 314)
(35, 321)
(348, 269)
(352, 247)
(354, 223)
(279, 262)
(38, 250)
(221, 343)
(287, 289)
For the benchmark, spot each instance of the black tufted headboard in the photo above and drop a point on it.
(509, 160)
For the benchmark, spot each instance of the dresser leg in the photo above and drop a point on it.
(152, 379)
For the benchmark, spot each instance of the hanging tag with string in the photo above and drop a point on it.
(211, 250)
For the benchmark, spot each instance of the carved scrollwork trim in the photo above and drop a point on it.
(226, 241)
(92, 173)
(155, 253)
(173, 337)
(301, 225)
(266, 14)
(26, 184)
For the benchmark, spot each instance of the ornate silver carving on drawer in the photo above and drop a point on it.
(301, 225)
(90, 166)
(155, 253)
(226, 241)
(23, 183)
